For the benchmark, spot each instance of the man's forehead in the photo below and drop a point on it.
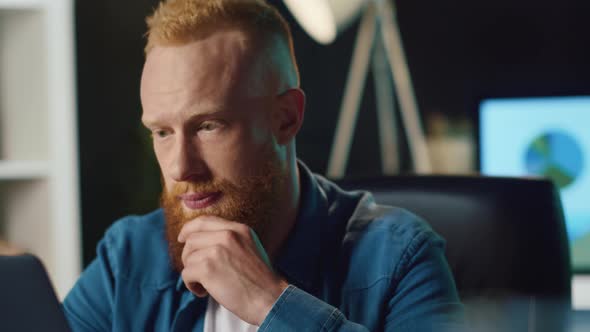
(224, 59)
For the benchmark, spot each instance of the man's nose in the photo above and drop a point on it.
(186, 163)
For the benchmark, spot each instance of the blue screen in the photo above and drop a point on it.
(544, 137)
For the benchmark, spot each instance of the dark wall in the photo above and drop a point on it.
(457, 50)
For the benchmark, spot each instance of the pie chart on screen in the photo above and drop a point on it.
(555, 155)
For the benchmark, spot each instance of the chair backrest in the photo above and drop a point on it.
(505, 237)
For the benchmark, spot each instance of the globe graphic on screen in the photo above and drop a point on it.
(555, 155)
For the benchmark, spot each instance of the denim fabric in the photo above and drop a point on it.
(352, 265)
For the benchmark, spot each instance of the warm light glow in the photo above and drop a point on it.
(324, 19)
(316, 17)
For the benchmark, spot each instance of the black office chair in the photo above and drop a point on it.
(506, 242)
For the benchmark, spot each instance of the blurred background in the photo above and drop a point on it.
(459, 53)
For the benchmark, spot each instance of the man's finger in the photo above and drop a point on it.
(209, 224)
(195, 287)
(202, 240)
(203, 266)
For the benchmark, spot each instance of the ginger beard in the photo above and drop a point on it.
(254, 201)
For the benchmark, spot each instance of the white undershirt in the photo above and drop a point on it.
(219, 319)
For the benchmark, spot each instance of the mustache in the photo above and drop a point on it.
(209, 186)
(260, 182)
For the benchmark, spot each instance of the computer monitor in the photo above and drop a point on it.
(547, 137)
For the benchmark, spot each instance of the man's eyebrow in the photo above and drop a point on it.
(208, 114)
(157, 120)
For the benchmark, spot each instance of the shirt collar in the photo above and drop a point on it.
(301, 258)
(180, 283)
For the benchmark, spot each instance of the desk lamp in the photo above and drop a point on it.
(378, 37)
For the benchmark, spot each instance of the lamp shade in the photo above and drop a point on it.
(324, 19)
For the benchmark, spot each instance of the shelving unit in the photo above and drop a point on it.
(39, 199)
(23, 170)
(22, 4)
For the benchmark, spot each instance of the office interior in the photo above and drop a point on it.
(78, 147)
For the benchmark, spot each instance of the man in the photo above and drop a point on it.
(248, 238)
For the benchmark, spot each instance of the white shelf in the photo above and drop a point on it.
(23, 170)
(22, 4)
(39, 200)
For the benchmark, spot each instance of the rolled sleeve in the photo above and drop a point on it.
(296, 310)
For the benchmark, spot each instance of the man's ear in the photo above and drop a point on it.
(289, 114)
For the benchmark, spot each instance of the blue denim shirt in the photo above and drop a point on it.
(352, 265)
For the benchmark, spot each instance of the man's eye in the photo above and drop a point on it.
(209, 126)
(160, 133)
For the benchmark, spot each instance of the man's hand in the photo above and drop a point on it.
(221, 259)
